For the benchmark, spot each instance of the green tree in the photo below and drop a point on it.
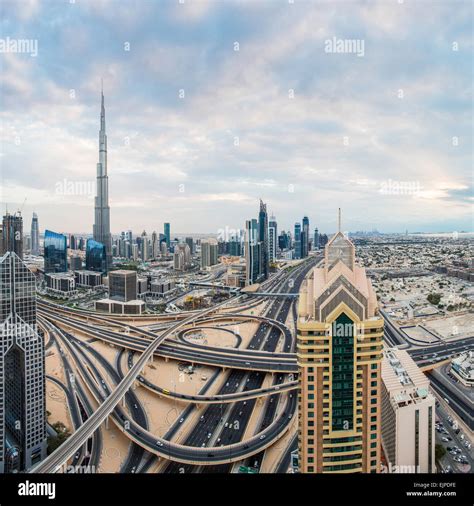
(434, 298)
(440, 451)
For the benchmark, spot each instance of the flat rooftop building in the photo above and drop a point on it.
(408, 415)
(123, 285)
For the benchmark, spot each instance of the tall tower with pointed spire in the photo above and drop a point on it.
(101, 229)
(339, 354)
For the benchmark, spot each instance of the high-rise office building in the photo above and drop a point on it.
(189, 241)
(167, 231)
(252, 252)
(95, 256)
(316, 239)
(123, 285)
(263, 239)
(209, 252)
(305, 238)
(144, 247)
(12, 234)
(339, 353)
(297, 240)
(75, 263)
(22, 370)
(272, 239)
(72, 242)
(35, 245)
(101, 229)
(408, 415)
(55, 252)
(155, 245)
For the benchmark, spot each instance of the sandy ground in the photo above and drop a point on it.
(274, 453)
(115, 448)
(53, 364)
(454, 327)
(167, 375)
(56, 404)
(420, 334)
(213, 337)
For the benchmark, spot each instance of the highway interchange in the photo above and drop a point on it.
(218, 439)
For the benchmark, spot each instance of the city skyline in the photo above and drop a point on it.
(278, 131)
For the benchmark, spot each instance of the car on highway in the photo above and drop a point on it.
(446, 439)
(159, 443)
(263, 436)
(181, 420)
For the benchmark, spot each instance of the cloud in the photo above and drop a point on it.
(279, 119)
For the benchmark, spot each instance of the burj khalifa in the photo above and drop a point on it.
(101, 229)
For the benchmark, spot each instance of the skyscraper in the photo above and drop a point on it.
(263, 239)
(189, 241)
(272, 239)
(252, 252)
(95, 256)
(167, 234)
(182, 257)
(316, 239)
(101, 230)
(55, 252)
(298, 251)
(209, 252)
(305, 238)
(12, 235)
(22, 373)
(35, 246)
(339, 352)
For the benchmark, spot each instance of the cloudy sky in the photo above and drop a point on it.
(211, 105)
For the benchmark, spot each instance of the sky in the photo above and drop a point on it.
(210, 106)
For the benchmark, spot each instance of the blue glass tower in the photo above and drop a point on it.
(55, 252)
(96, 256)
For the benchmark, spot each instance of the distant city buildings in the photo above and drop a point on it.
(22, 372)
(339, 351)
(408, 415)
(182, 257)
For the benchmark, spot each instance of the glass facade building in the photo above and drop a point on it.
(55, 252)
(22, 379)
(96, 256)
